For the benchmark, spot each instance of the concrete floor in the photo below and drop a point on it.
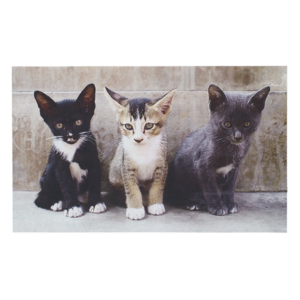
(259, 212)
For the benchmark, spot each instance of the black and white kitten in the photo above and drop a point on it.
(73, 166)
(205, 168)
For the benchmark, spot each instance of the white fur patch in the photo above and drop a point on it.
(225, 170)
(144, 156)
(74, 212)
(77, 173)
(57, 206)
(193, 207)
(233, 210)
(135, 213)
(156, 209)
(99, 208)
(67, 150)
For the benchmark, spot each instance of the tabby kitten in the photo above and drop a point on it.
(140, 158)
(73, 165)
(205, 168)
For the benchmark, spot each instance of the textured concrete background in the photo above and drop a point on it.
(264, 168)
(69, 79)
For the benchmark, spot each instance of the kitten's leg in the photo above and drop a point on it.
(135, 209)
(228, 192)
(212, 194)
(94, 177)
(155, 203)
(68, 187)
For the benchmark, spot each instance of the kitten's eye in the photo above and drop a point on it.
(227, 124)
(78, 122)
(149, 125)
(128, 126)
(59, 126)
(247, 124)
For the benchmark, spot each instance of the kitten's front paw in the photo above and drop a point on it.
(156, 209)
(74, 212)
(233, 208)
(57, 206)
(217, 209)
(199, 206)
(135, 213)
(98, 208)
(193, 207)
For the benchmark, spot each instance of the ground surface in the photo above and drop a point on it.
(259, 212)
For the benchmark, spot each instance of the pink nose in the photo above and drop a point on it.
(138, 141)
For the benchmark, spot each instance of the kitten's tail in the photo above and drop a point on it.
(46, 200)
(43, 200)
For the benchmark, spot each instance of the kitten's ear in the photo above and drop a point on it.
(86, 99)
(217, 97)
(257, 101)
(45, 103)
(117, 100)
(164, 104)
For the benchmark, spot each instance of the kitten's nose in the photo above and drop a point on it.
(69, 134)
(138, 141)
(238, 136)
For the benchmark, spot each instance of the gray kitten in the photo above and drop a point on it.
(205, 168)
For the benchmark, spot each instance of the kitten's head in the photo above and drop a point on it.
(68, 119)
(140, 119)
(235, 116)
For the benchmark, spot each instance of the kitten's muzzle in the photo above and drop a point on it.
(236, 141)
(238, 137)
(70, 140)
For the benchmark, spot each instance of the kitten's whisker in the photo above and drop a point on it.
(92, 141)
(85, 133)
(86, 136)
(89, 139)
(222, 140)
(54, 138)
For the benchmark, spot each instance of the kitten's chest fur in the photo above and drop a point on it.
(67, 152)
(144, 157)
(228, 158)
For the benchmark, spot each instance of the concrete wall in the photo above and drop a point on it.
(72, 79)
(264, 168)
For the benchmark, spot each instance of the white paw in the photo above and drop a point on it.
(193, 207)
(57, 206)
(99, 208)
(233, 208)
(156, 209)
(135, 213)
(74, 212)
